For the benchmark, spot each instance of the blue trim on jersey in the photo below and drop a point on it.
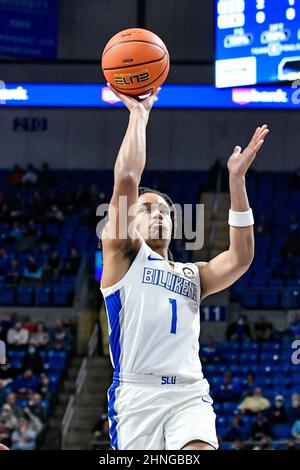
(113, 307)
(112, 414)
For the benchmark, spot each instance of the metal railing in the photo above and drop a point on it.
(93, 342)
(67, 419)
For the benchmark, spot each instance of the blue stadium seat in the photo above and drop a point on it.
(25, 295)
(281, 431)
(250, 346)
(251, 298)
(43, 295)
(7, 295)
(271, 297)
(249, 358)
(230, 407)
(62, 296)
(269, 357)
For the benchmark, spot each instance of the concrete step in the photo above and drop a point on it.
(88, 413)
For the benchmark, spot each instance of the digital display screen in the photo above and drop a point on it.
(257, 41)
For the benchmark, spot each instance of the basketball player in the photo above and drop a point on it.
(159, 398)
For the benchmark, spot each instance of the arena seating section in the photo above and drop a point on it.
(271, 283)
(49, 365)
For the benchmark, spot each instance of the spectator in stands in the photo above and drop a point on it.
(263, 329)
(60, 335)
(15, 176)
(237, 445)
(14, 234)
(32, 230)
(296, 430)
(13, 275)
(277, 413)
(249, 387)
(260, 427)
(6, 323)
(11, 400)
(2, 392)
(227, 391)
(237, 430)
(291, 445)
(40, 338)
(209, 351)
(24, 437)
(9, 421)
(294, 411)
(101, 431)
(239, 330)
(32, 271)
(72, 264)
(30, 176)
(32, 360)
(255, 403)
(55, 214)
(4, 432)
(36, 408)
(25, 384)
(7, 374)
(46, 176)
(54, 264)
(18, 337)
(4, 261)
(44, 386)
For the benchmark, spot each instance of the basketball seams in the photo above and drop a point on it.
(136, 65)
(133, 40)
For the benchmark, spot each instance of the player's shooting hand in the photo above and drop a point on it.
(133, 104)
(239, 161)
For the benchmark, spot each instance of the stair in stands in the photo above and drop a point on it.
(89, 404)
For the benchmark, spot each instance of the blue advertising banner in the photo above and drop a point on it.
(28, 28)
(171, 96)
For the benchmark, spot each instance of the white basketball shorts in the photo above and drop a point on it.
(148, 412)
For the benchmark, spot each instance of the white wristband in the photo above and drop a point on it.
(241, 219)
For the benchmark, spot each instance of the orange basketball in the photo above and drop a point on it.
(135, 62)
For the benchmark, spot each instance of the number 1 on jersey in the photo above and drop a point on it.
(174, 316)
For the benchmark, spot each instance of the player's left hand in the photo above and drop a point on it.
(239, 161)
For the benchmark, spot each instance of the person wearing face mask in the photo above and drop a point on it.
(277, 413)
(32, 360)
(239, 330)
(294, 411)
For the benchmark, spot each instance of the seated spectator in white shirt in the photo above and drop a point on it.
(40, 338)
(18, 337)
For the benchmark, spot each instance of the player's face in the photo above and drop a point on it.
(153, 217)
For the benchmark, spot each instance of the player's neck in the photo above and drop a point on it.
(160, 250)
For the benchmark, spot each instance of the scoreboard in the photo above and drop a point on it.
(257, 41)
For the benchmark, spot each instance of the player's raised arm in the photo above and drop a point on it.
(129, 166)
(223, 270)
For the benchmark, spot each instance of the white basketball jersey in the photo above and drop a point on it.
(154, 319)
